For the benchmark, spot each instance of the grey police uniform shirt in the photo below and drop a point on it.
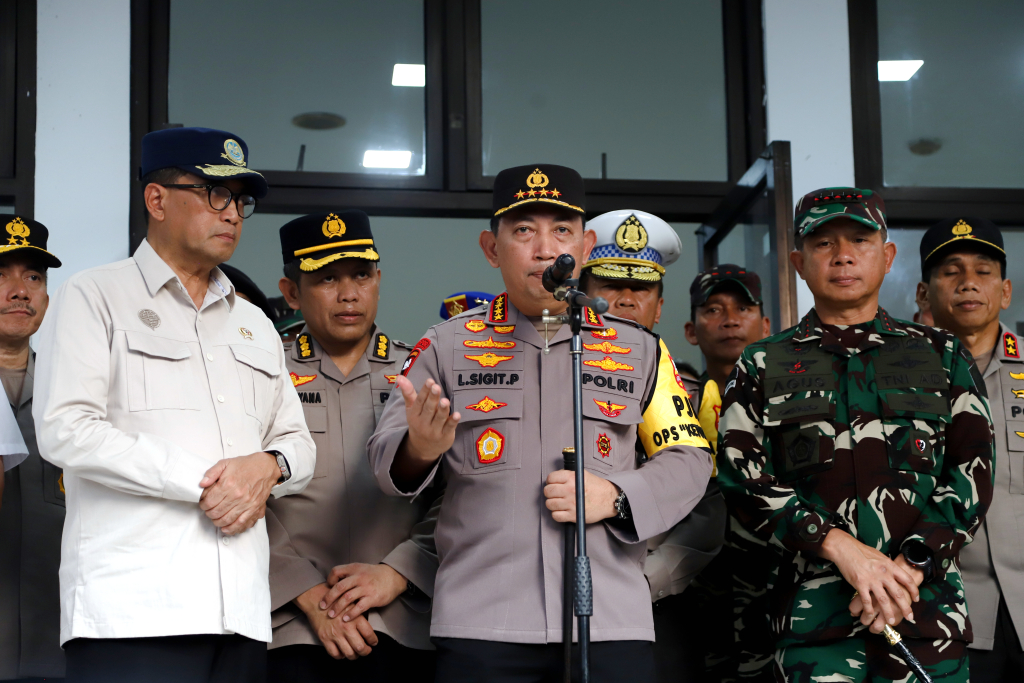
(500, 577)
(342, 516)
(31, 522)
(994, 562)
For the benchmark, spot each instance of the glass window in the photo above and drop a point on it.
(318, 86)
(565, 82)
(952, 120)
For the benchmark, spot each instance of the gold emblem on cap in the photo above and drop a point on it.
(536, 179)
(233, 152)
(631, 235)
(19, 233)
(334, 226)
(962, 228)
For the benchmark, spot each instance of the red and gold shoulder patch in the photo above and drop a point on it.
(489, 344)
(504, 329)
(498, 312)
(609, 409)
(607, 347)
(608, 364)
(608, 334)
(604, 445)
(1010, 347)
(489, 359)
(421, 346)
(476, 326)
(490, 446)
(486, 405)
(591, 317)
(299, 380)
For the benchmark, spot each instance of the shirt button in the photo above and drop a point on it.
(661, 593)
(812, 528)
(220, 397)
(209, 357)
(945, 564)
(231, 442)
(224, 540)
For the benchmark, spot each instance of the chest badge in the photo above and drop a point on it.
(607, 347)
(149, 318)
(504, 329)
(390, 378)
(299, 380)
(489, 359)
(490, 446)
(609, 409)
(489, 343)
(246, 334)
(1017, 375)
(608, 334)
(608, 364)
(604, 445)
(1018, 393)
(486, 405)
(476, 326)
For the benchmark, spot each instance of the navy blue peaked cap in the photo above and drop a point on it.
(211, 154)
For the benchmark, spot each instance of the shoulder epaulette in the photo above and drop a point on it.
(498, 310)
(305, 350)
(401, 344)
(382, 348)
(1011, 348)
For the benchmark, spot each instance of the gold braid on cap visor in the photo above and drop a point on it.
(625, 269)
(964, 237)
(309, 264)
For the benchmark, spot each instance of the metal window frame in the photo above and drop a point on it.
(453, 185)
(18, 104)
(905, 205)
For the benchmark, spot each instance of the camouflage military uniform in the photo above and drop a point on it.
(879, 430)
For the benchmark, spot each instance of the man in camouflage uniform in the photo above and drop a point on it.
(860, 448)
(727, 314)
(964, 285)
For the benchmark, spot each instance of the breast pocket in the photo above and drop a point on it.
(915, 429)
(160, 374)
(316, 423)
(489, 429)
(802, 433)
(609, 431)
(258, 371)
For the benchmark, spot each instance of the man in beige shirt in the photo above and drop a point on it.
(165, 399)
(342, 531)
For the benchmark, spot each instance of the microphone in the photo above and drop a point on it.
(558, 272)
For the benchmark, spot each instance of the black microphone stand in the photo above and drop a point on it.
(582, 586)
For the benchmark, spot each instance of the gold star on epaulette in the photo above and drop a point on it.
(304, 350)
(556, 193)
(520, 194)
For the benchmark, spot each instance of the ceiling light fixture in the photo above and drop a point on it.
(409, 75)
(899, 69)
(377, 158)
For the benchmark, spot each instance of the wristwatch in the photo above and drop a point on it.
(622, 506)
(920, 556)
(282, 462)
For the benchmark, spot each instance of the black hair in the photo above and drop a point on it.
(161, 176)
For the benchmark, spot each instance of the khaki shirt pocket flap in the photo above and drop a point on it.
(158, 347)
(256, 358)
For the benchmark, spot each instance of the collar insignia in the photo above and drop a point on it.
(299, 380)
(607, 347)
(489, 344)
(609, 409)
(383, 349)
(486, 405)
(498, 312)
(608, 334)
(504, 329)
(476, 326)
(489, 359)
(608, 364)
(592, 318)
(1010, 347)
(631, 236)
(304, 350)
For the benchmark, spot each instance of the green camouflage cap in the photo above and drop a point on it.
(815, 208)
(707, 282)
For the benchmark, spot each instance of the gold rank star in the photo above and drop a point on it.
(520, 194)
(532, 193)
(544, 193)
(556, 193)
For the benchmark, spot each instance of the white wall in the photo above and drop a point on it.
(82, 131)
(807, 74)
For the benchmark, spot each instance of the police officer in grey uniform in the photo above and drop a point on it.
(32, 517)
(351, 570)
(964, 285)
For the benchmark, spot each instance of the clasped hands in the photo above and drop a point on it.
(432, 432)
(885, 588)
(235, 491)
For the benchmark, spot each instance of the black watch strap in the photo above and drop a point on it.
(921, 557)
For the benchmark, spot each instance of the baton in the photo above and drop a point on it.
(896, 641)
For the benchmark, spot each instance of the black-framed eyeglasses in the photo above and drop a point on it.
(220, 197)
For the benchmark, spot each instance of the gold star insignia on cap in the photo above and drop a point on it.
(544, 193)
(532, 193)
(556, 193)
(631, 235)
(537, 179)
(19, 232)
(962, 228)
(333, 226)
(520, 194)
